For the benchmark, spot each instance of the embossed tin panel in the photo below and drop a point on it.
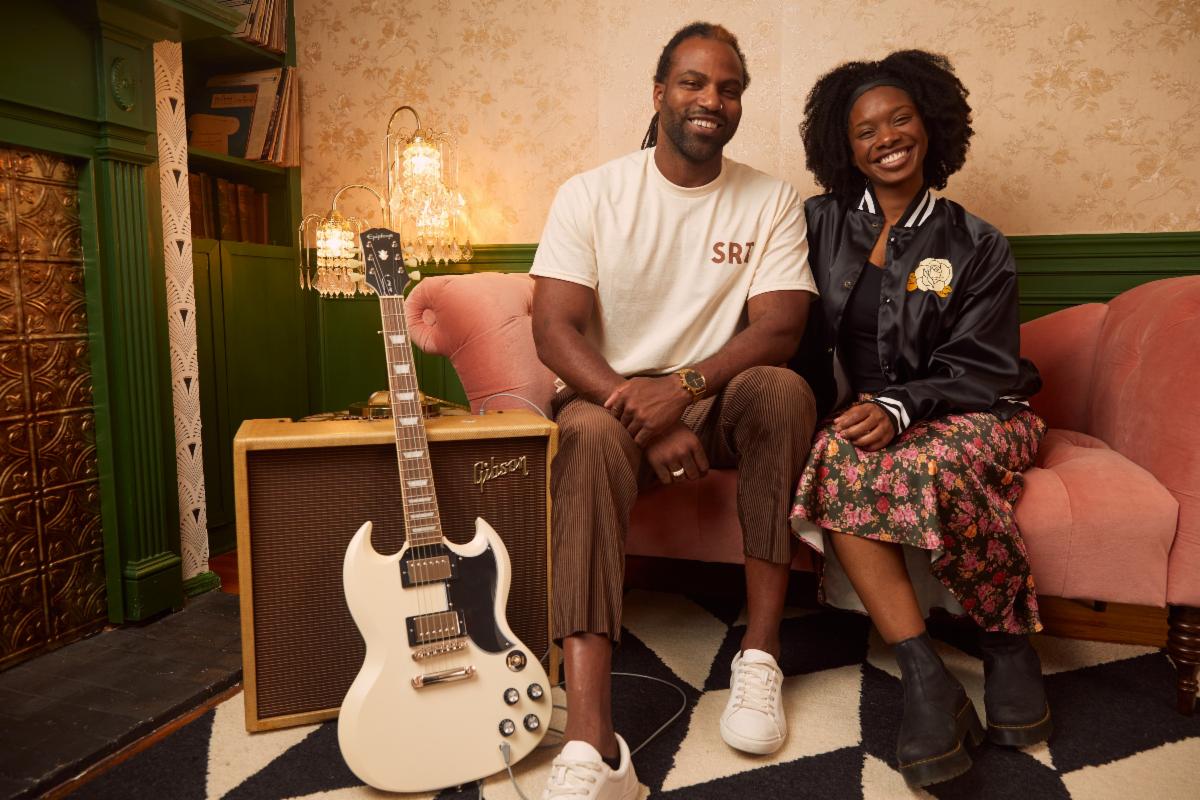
(52, 587)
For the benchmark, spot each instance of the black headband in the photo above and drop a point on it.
(869, 85)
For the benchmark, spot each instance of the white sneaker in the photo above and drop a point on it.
(579, 771)
(753, 718)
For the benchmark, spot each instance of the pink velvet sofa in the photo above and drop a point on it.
(1111, 511)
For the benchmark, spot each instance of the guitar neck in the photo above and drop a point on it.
(422, 522)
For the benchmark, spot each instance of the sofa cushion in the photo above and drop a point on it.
(695, 520)
(1097, 526)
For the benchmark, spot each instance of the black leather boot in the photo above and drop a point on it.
(938, 717)
(1015, 698)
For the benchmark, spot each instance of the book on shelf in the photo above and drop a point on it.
(252, 115)
(220, 117)
(222, 209)
(265, 83)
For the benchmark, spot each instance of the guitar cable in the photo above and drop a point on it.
(525, 400)
(506, 751)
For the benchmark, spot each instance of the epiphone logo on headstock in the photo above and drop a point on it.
(491, 469)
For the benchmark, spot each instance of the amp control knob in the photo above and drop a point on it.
(535, 691)
(532, 723)
(512, 696)
(507, 727)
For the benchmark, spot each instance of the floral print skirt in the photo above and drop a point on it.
(947, 485)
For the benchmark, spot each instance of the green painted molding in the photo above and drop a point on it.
(489, 258)
(1176, 253)
(1169, 252)
(159, 562)
(172, 19)
(145, 530)
(199, 584)
(1056, 272)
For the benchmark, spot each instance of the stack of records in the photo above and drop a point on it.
(253, 115)
(265, 24)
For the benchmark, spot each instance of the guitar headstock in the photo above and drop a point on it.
(384, 264)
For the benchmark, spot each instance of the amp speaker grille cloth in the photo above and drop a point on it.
(306, 504)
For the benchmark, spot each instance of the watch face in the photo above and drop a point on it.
(694, 380)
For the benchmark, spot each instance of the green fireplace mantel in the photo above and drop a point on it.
(77, 79)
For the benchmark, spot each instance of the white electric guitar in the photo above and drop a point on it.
(447, 693)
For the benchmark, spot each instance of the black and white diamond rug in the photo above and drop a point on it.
(1117, 733)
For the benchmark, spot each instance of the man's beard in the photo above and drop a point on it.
(691, 146)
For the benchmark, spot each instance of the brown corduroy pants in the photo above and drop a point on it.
(761, 423)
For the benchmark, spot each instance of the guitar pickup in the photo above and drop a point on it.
(425, 628)
(434, 564)
(427, 570)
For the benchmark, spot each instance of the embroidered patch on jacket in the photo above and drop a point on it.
(932, 275)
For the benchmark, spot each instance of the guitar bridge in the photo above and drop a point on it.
(445, 676)
(424, 651)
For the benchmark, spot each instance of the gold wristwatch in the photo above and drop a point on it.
(693, 381)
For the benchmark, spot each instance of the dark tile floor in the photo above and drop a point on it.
(66, 710)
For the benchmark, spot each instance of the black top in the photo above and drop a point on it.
(949, 332)
(859, 342)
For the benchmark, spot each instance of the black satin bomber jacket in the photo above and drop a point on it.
(940, 350)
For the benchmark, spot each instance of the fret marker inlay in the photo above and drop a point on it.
(408, 420)
(406, 395)
(417, 484)
(397, 338)
(402, 369)
(413, 453)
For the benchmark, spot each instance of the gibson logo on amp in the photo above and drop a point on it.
(490, 470)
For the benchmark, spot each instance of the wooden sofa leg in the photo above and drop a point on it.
(1183, 645)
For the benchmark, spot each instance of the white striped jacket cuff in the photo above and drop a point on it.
(896, 410)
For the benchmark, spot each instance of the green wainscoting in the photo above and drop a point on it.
(254, 359)
(1054, 272)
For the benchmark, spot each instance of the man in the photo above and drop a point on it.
(689, 272)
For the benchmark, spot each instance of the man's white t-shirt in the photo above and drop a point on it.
(672, 267)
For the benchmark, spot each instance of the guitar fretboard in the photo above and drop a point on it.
(422, 522)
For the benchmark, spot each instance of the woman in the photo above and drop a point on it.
(910, 487)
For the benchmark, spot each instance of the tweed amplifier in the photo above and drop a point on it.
(303, 489)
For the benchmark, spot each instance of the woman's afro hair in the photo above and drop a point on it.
(939, 95)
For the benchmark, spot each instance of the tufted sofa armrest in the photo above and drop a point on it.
(482, 323)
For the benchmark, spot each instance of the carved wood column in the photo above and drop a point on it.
(141, 515)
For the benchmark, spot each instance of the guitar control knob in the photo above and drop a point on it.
(532, 723)
(512, 696)
(535, 691)
(516, 661)
(507, 727)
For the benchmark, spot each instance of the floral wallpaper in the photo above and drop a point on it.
(1086, 111)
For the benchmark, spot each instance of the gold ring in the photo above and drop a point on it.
(678, 473)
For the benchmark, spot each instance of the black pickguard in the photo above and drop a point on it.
(472, 592)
